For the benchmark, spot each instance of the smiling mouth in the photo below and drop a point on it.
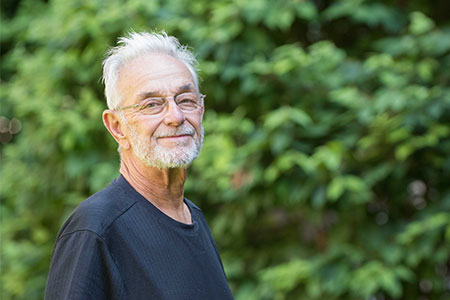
(175, 136)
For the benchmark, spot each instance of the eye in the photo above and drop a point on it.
(187, 99)
(152, 104)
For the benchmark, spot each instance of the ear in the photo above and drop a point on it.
(114, 124)
(203, 111)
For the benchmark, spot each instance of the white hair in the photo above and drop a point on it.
(134, 45)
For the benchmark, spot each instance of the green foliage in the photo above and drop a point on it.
(325, 168)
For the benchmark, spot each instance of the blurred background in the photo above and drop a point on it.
(326, 165)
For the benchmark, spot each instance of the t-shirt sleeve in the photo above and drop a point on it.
(82, 268)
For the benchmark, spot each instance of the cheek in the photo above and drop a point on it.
(196, 123)
(145, 128)
(142, 132)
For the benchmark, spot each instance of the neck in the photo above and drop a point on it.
(164, 188)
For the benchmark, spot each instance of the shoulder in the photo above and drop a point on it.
(197, 213)
(100, 211)
(192, 205)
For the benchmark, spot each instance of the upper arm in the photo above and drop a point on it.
(82, 268)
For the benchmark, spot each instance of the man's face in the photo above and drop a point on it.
(172, 138)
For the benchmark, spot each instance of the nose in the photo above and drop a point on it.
(173, 116)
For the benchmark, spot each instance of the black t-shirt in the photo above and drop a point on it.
(117, 245)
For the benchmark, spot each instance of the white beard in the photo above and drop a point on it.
(158, 156)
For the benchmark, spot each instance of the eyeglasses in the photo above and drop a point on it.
(187, 102)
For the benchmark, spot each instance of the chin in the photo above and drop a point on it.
(178, 155)
(168, 158)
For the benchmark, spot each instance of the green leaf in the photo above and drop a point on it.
(420, 23)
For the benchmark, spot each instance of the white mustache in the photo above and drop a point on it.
(186, 130)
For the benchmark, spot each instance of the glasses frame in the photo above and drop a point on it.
(166, 101)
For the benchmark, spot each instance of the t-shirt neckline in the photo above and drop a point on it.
(162, 217)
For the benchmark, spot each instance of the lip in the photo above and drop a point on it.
(175, 136)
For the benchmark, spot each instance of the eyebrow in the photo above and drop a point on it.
(182, 89)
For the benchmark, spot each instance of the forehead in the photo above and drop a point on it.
(150, 73)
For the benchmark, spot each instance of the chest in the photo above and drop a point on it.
(160, 261)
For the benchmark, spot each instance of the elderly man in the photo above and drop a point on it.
(139, 238)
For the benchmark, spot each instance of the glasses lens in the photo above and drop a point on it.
(151, 106)
(188, 101)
